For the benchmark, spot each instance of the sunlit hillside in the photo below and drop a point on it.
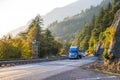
(69, 27)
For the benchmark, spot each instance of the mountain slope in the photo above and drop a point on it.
(97, 36)
(69, 10)
(60, 13)
(66, 29)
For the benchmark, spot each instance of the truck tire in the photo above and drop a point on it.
(80, 56)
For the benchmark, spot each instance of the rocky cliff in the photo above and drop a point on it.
(113, 63)
(114, 48)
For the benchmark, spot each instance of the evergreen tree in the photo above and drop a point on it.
(49, 38)
(34, 30)
(115, 1)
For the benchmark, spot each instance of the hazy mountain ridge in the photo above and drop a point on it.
(69, 10)
(24, 28)
(60, 13)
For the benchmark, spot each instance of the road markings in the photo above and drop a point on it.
(98, 78)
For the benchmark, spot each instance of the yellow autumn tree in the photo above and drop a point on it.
(108, 37)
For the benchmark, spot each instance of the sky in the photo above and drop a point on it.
(16, 13)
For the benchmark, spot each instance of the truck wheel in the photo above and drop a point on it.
(80, 56)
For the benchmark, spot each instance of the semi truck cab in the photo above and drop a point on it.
(74, 53)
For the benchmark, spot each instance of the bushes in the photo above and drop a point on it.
(108, 36)
(8, 51)
(14, 49)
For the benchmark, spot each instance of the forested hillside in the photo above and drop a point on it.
(69, 10)
(102, 38)
(98, 30)
(69, 27)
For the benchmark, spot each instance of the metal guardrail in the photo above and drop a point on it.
(19, 62)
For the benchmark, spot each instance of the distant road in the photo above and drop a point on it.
(43, 70)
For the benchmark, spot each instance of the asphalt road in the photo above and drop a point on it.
(54, 70)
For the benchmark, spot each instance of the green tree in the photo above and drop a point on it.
(34, 31)
(115, 1)
(49, 38)
(49, 46)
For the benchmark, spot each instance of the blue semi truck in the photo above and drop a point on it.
(74, 53)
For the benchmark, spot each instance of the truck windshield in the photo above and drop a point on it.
(73, 51)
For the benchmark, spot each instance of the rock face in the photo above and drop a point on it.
(99, 49)
(115, 43)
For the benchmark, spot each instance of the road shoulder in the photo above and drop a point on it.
(82, 73)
